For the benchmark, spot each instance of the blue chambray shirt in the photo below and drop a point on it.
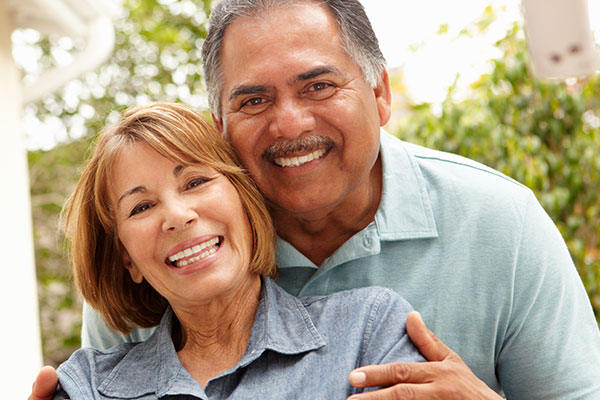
(298, 348)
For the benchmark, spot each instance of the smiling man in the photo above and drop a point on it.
(296, 98)
(300, 89)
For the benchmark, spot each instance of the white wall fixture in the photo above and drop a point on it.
(559, 38)
(83, 20)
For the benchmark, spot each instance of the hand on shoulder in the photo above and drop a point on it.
(445, 375)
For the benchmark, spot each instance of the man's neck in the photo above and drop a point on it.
(319, 233)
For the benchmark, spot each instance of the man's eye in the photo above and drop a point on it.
(254, 105)
(320, 90)
(255, 101)
(319, 86)
(140, 208)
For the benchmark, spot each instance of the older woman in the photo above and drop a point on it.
(166, 229)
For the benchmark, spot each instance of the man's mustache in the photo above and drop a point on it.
(308, 143)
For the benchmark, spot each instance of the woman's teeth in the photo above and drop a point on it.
(194, 253)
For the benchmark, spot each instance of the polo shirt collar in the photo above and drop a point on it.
(405, 210)
(282, 324)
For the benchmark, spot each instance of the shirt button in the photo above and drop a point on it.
(368, 241)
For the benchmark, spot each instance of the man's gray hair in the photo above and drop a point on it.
(357, 35)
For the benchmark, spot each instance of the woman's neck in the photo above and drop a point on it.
(211, 339)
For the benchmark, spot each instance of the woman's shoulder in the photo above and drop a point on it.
(89, 360)
(80, 374)
(372, 303)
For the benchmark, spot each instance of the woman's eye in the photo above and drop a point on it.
(196, 182)
(140, 208)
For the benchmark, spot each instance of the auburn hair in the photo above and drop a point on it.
(182, 135)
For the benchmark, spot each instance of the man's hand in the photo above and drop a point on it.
(445, 376)
(44, 385)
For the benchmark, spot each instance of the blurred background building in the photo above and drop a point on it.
(88, 21)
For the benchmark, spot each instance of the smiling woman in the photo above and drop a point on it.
(123, 179)
(178, 236)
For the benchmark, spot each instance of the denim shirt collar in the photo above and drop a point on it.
(282, 324)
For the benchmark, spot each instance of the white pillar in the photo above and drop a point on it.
(21, 353)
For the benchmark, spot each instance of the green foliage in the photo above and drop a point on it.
(52, 176)
(544, 134)
(156, 58)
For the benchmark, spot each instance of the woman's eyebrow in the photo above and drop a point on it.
(178, 170)
(137, 189)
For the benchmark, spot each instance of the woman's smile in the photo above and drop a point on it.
(184, 226)
(194, 253)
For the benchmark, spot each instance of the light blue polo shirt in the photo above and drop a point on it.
(298, 349)
(476, 254)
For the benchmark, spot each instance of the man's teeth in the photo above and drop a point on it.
(298, 161)
(198, 252)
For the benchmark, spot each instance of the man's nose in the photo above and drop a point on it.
(178, 215)
(291, 118)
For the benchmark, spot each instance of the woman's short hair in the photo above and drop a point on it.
(182, 135)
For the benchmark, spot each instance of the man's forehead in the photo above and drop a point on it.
(257, 20)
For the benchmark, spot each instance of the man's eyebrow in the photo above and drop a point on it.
(137, 189)
(313, 73)
(241, 90)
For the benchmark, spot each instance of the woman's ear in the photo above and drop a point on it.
(134, 272)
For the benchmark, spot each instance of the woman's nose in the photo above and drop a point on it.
(178, 216)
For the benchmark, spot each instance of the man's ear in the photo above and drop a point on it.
(218, 122)
(134, 272)
(383, 97)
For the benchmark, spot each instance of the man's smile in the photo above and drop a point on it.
(301, 160)
(298, 152)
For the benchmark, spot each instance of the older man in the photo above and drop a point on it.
(300, 89)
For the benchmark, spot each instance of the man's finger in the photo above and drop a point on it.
(391, 374)
(432, 348)
(405, 391)
(45, 384)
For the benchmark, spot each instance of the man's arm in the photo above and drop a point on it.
(444, 376)
(95, 333)
(550, 348)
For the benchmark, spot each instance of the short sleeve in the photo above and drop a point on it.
(551, 348)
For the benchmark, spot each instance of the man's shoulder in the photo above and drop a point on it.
(451, 178)
(439, 163)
